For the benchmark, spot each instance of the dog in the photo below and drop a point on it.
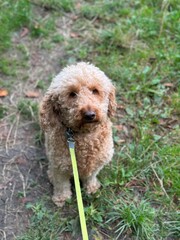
(81, 98)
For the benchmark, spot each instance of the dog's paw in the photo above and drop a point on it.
(92, 187)
(50, 176)
(60, 199)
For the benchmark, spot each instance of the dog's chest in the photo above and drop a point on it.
(90, 154)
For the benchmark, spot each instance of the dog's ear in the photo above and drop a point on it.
(112, 102)
(48, 114)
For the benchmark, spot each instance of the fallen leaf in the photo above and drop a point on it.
(162, 121)
(3, 92)
(120, 106)
(120, 141)
(78, 5)
(21, 160)
(74, 35)
(32, 94)
(168, 84)
(119, 127)
(74, 17)
(24, 32)
(25, 200)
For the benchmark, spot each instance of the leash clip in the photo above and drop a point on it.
(70, 137)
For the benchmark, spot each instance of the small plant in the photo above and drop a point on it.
(28, 109)
(57, 38)
(41, 27)
(65, 5)
(3, 111)
(45, 225)
(20, 12)
(39, 137)
(93, 215)
(172, 224)
(133, 218)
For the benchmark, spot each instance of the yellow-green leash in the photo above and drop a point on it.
(71, 145)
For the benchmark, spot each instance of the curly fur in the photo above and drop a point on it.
(80, 97)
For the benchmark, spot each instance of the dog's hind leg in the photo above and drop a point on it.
(91, 183)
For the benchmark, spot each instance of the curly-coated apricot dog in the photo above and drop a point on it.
(81, 97)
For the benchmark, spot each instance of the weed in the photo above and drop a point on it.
(46, 224)
(42, 27)
(3, 111)
(57, 38)
(8, 66)
(135, 218)
(39, 137)
(28, 109)
(172, 224)
(40, 84)
(65, 5)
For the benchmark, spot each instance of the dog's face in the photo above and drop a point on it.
(82, 103)
(82, 96)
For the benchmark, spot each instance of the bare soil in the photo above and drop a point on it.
(23, 163)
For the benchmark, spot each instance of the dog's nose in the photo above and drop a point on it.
(89, 115)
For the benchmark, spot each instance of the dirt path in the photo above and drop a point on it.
(23, 163)
(21, 181)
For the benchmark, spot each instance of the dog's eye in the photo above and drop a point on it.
(73, 94)
(95, 91)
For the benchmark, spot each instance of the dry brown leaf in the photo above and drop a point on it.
(120, 106)
(168, 84)
(24, 32)
(162, 121)
(78, 5)
(75, 17)
(119, 127)
(3, 92)
(74, 35)
(121, 141)
(25, 200)
(32, 94)
(21, 160)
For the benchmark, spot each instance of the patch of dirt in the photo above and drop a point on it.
(23, 164)
(22, 178)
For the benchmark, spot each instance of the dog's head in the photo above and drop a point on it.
(81, 95)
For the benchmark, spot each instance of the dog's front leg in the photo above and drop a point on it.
(62, 187)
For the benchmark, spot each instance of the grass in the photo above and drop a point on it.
(137, 44)
(138, 219)
(28, 109)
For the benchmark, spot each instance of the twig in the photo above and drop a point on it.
(12, 193)
(15, 134)
(149, 147)
(23, 181)
(3, 234)
(160, 182)
(164, 7)
(8, 136)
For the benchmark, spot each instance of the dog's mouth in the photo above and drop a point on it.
(90, 121)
